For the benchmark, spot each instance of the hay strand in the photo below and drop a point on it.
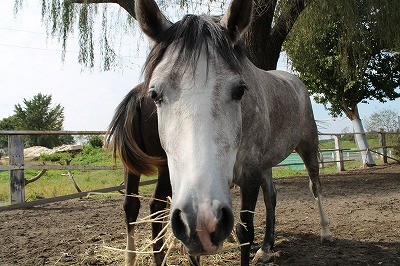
(175, 253)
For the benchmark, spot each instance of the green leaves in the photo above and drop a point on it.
(385, 119)
(342, 57)
(38, 114)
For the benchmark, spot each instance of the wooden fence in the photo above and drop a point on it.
(17, 165)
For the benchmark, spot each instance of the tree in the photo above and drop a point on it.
(8, 123)
(339, 70)
(385, 119)
(272, 22)
(37, 114)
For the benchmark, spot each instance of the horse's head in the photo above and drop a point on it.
(193, 73)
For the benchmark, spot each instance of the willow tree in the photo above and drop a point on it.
(347, 53)
(272, 22)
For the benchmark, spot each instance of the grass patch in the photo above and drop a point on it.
(373, 142)
(57, 183)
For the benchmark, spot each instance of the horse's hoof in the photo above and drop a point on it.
(130, 259)
(326, 240)
(261, 258)
(130, 263)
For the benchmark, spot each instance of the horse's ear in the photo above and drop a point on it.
(150, 18)
(237, 18)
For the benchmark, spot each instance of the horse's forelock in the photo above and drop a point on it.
(188, 37)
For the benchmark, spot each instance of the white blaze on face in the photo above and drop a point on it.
(199, 126)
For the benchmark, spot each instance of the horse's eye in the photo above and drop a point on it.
(157, 98)
(238, 92)
(153, 94)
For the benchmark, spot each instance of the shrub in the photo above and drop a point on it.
(96, 141)
(60, 157)
(348, 137)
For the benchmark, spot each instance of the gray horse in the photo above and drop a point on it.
(223, 121)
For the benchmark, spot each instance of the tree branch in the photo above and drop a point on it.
(286, 20)
(128, 5)
(27, 181)
(258, 35)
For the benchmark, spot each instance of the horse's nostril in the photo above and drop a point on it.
(178, 225)
(224, 225)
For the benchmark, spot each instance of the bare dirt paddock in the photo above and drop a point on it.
(363, 207)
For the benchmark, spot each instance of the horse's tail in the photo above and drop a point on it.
(124, 134)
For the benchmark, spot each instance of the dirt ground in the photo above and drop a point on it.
(363, 207)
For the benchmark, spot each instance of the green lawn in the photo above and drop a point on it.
(373, 142)
(57, 182)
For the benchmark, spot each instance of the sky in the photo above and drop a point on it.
(30, 62)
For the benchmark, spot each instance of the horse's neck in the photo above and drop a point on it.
(273, 94)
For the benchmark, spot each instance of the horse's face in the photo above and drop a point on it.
(199, 119)
(199, 123)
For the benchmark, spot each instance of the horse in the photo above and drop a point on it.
(221, 121)
(133, 133)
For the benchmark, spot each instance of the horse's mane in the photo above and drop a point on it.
(189, 36)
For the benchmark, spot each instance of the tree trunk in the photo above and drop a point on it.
(362, 143)
(260, 48)
(258, 36)
(359, 134)
(267, 32)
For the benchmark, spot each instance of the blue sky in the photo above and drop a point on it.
(31, 63)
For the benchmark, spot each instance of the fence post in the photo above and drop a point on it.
(339, 153)
(398, 122)
(382, 144)
(16, 158)
(321, 157)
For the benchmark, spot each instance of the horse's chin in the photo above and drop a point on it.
(212, 250)
(196, 248)
(199, 251)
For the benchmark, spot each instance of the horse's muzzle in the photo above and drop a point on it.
(202, 232)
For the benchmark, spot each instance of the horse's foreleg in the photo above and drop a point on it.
(131, 207)
(245, 228)
(162, 191)
(263, 255)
